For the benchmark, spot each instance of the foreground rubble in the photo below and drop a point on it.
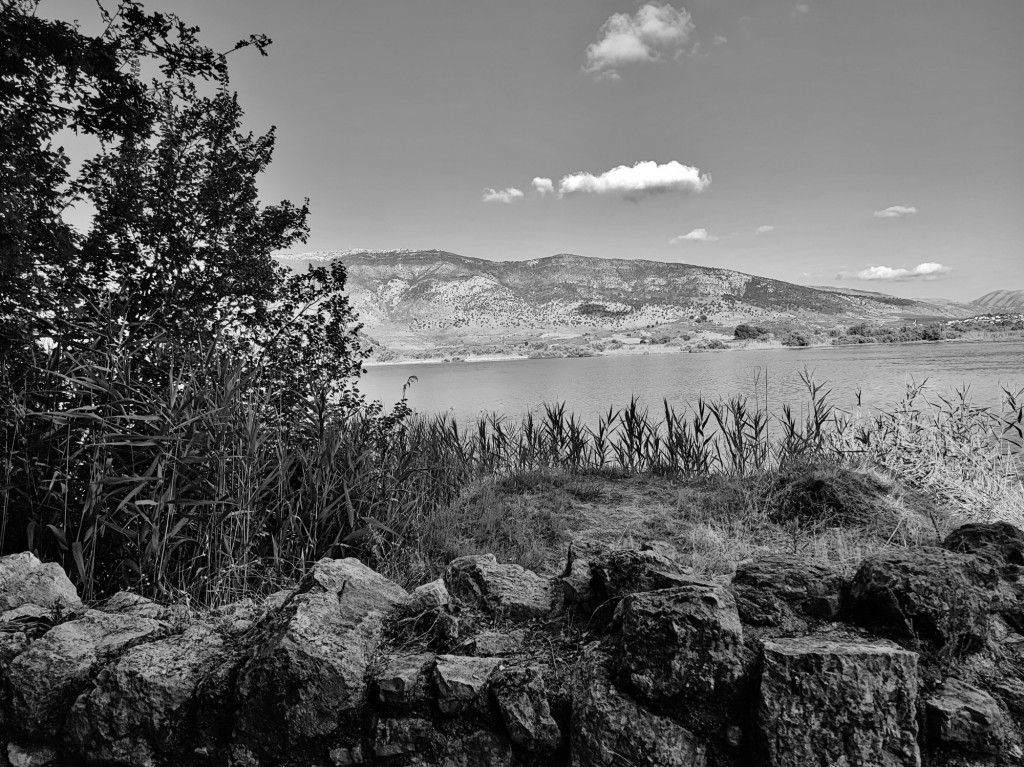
(626, 659)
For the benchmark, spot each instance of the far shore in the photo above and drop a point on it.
(648, 349)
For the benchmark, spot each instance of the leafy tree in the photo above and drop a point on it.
(179, 238)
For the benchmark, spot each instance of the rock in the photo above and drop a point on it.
(966, 718)
(460, 683)
(620, 573)
(429, 596)
(508, 590)
(304, 680)
(781, 590)
(347, 757)
(25, 580)
(1001, 546)
(999, 543)
(398, 737)
(419, 742)
(46, 678)
(828, 701)
(682, 643)
(142, 709)
(403, 684)
(522, 701)
(925, 597)
(31, 756)
(127, 603)
(610, 730)
(576, 582)
(491, 643)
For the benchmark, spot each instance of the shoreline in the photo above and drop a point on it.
(640, 350)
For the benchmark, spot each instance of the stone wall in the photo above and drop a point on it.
(626, 659)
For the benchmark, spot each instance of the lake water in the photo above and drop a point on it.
(590, 385)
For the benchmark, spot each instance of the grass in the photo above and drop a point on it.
(137, 463)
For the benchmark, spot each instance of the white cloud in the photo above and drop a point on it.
(638, 181)
(896, 211)
(502, 195)
(929, 270)
(801, 9)
(764, 229)
(543, 185)
(719, 40)
(697, 235)
(654, 31)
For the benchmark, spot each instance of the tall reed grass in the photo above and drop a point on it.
(173, 470)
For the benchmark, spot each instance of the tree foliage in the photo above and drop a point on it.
(178, 238)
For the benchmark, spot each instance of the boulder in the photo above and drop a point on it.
(783, 590)
(1000, 544)
(827, 700)
(25, 580)
(430, 596)
(608, 729)
(629, 571)
(32, 756)
(403, 683)
(128, 603)
(925, 597)
(305, 679)
(460, 683)
(961, 716)
(416, 741)
(142, 709)
(47, 678)
(679, 644)
(522, 701)
(508, 590)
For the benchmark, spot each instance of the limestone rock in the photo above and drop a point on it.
(608, 729)
(965, 717)
(620, 573)
(491, 643)
(127, 603)
(925, 597)
(415, 741)
(828, 701)
(460, 682)
(780, 590)
(46, 678)
(679, 643)
(430, 596)
(509, 590)
(403, 684)
(403, 737)
(998, 543)
(141, 709)
(26, 580)
(305, 677)
(522, 701)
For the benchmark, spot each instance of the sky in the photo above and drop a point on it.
(876, 144)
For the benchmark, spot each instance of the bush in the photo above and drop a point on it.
(745, 332)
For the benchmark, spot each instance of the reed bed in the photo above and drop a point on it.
(175, 471)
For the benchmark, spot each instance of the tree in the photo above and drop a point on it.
(179, 238)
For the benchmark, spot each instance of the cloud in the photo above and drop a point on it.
(764, 229)
(543, 185)
(654, 31)
(697, 235)
(927, 271)
(502, 195)
(801, 10)
(719, 40)
(896, 211)
(635, 182)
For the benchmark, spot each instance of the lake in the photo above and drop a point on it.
(590, 385)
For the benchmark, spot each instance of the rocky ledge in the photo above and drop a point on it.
(626, 658)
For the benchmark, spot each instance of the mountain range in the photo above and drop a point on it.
(422, 299)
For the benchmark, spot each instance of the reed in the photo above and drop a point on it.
(174, 470)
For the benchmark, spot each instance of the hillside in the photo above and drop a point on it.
(418, 301)
(1000, 301)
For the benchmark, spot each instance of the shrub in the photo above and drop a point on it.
(744, 332)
